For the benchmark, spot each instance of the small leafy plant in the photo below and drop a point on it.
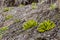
(29, 24)
(45, 26)
(17, 20)
(2, 30)
(52, 6)
(34, 6)
(8, 17)
(6, 9)
(21, 5)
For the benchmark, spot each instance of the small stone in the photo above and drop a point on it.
(48, 35)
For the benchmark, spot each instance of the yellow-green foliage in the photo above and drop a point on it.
(34, 6)
(1, 36)
(52, 6)
(21, 5)
(8, 17)
(6, 9)
(29, 24)
(17, 20)
(2, 31)
(45, 26)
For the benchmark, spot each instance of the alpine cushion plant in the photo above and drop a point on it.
(29, 24)
(45, 26)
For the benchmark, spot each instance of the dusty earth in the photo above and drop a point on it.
(41, 13)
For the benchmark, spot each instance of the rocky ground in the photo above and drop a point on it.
(41, 13)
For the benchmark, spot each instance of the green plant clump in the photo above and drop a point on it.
(29, 24)
(17, 20)
(2, 31)
(34, 6)
(45, 26)
(8, 17)
(6, 9)
(21, 5)
(52, 6)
